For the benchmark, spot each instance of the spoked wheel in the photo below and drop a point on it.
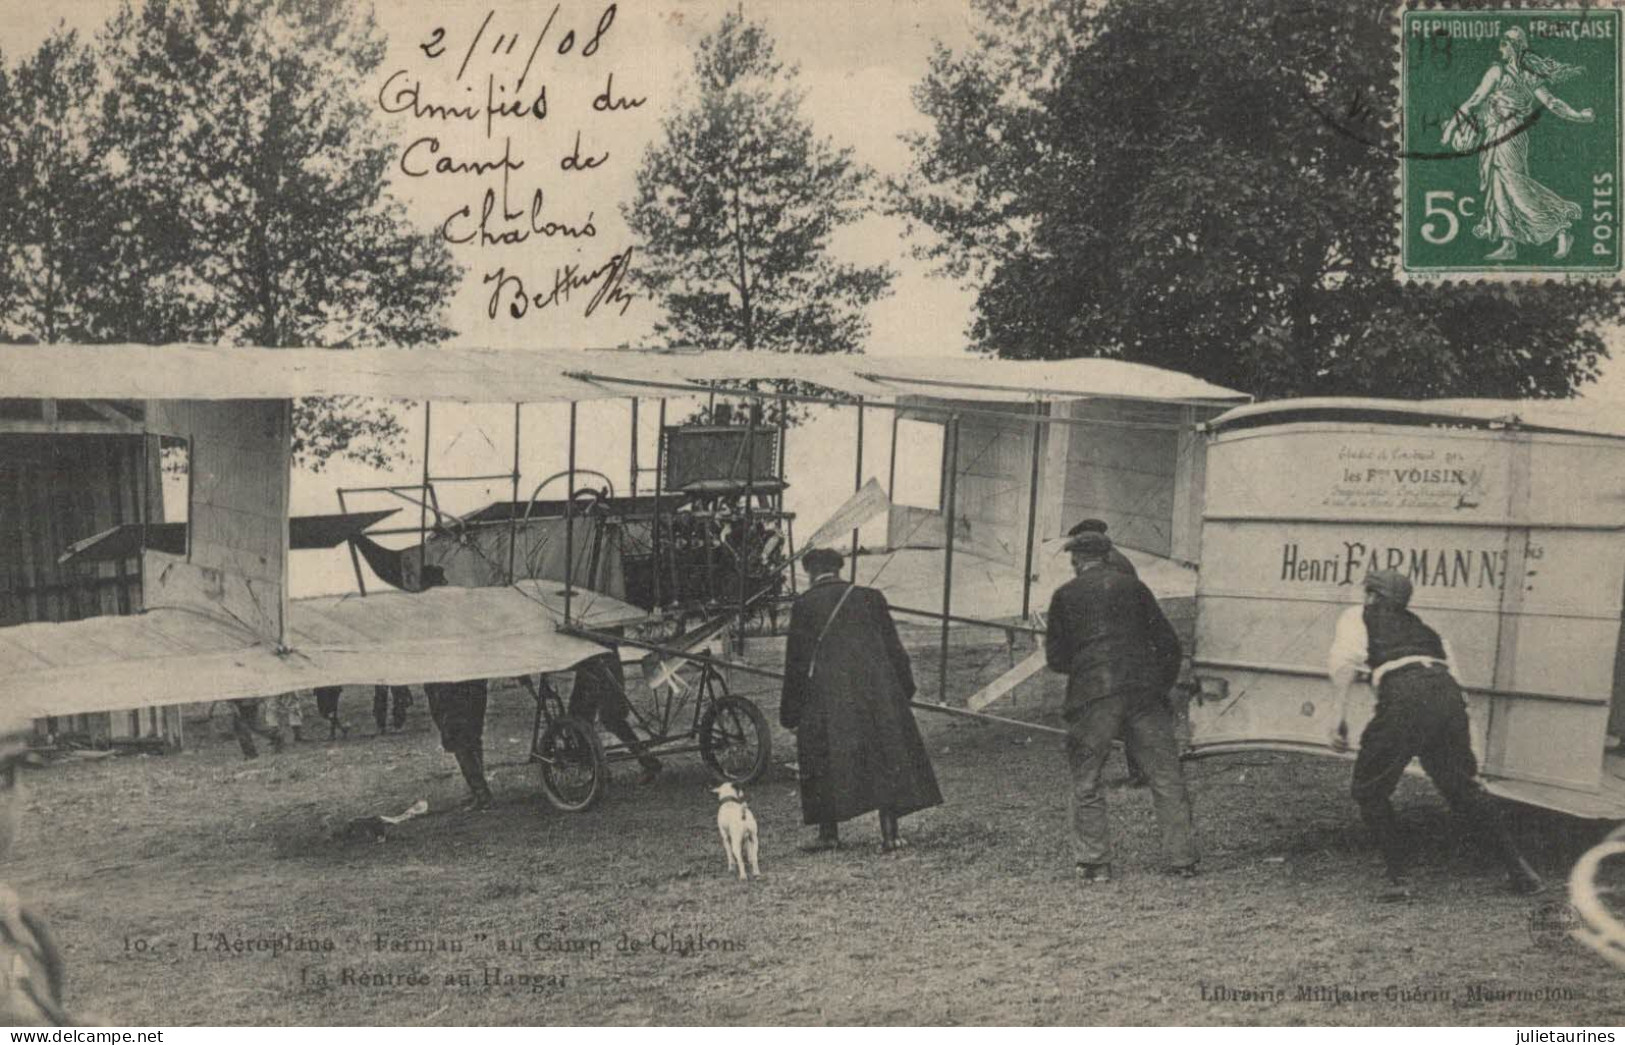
(571, 762)
(734, 739)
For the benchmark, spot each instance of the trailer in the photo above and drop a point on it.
(1506, 516)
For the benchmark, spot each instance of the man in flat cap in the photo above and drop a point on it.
(1117, 561)
(1121, 656)
(1114, 558)
(1421, 713)
(847, 687)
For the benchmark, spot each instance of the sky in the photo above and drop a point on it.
(859, 61)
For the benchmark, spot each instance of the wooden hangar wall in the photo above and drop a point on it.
(70, 469)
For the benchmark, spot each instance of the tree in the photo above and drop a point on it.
(1210, 188)
(50, 185)
(734, 210)
(248, 200)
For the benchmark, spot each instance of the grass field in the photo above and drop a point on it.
(168, 879)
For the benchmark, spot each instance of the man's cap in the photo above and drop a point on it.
(1391, 585)
(1096, 544)
(824, 560)
(1088, 526)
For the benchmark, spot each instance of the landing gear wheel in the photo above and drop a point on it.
(735, 741)
(571, 764)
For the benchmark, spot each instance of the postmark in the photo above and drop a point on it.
(1552, 923)
(1510, 147)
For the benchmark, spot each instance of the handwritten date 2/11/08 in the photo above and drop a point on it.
(504, 44)
(567, 280)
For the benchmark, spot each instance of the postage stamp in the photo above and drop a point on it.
(1510, 144)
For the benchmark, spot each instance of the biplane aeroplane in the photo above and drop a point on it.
(1183, 469)
(534, 585)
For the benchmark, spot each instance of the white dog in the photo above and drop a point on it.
(737, 825)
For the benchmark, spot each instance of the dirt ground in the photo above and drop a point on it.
(202, 889)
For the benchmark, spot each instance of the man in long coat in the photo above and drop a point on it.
(847, 687)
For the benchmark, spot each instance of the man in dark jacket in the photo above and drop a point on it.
(1121, 656)
(847, 687)
(1420, 713)
(1117, 561)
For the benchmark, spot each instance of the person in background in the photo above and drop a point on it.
(382, 711)
(599, 693)
(1421, 713)
(458, 711)
(847, 687)
(327, 707)
(1109, 637)
(285, 716)
(245, 723)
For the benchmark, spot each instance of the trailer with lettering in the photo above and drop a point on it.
(1507, 516)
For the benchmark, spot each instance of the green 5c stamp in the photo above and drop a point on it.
(1510, 155)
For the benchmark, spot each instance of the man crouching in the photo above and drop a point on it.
(1421, 713)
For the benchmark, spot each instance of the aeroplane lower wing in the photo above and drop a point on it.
(179, 656)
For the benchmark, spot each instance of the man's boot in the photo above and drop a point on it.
(1523, 879)
(889, 840)
(473, 768)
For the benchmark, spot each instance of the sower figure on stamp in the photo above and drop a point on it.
(1496, 121)
(1118, 561)
(1421, 713)
(847, 687)
(1121, 656)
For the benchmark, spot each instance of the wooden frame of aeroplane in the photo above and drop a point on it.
(218, 621)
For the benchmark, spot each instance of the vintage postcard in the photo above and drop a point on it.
(1511, 141)
(729, 514)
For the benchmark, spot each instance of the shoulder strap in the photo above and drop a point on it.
(812, 662)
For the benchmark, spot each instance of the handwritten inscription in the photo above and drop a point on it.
(1400, 476)
(490, 122)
